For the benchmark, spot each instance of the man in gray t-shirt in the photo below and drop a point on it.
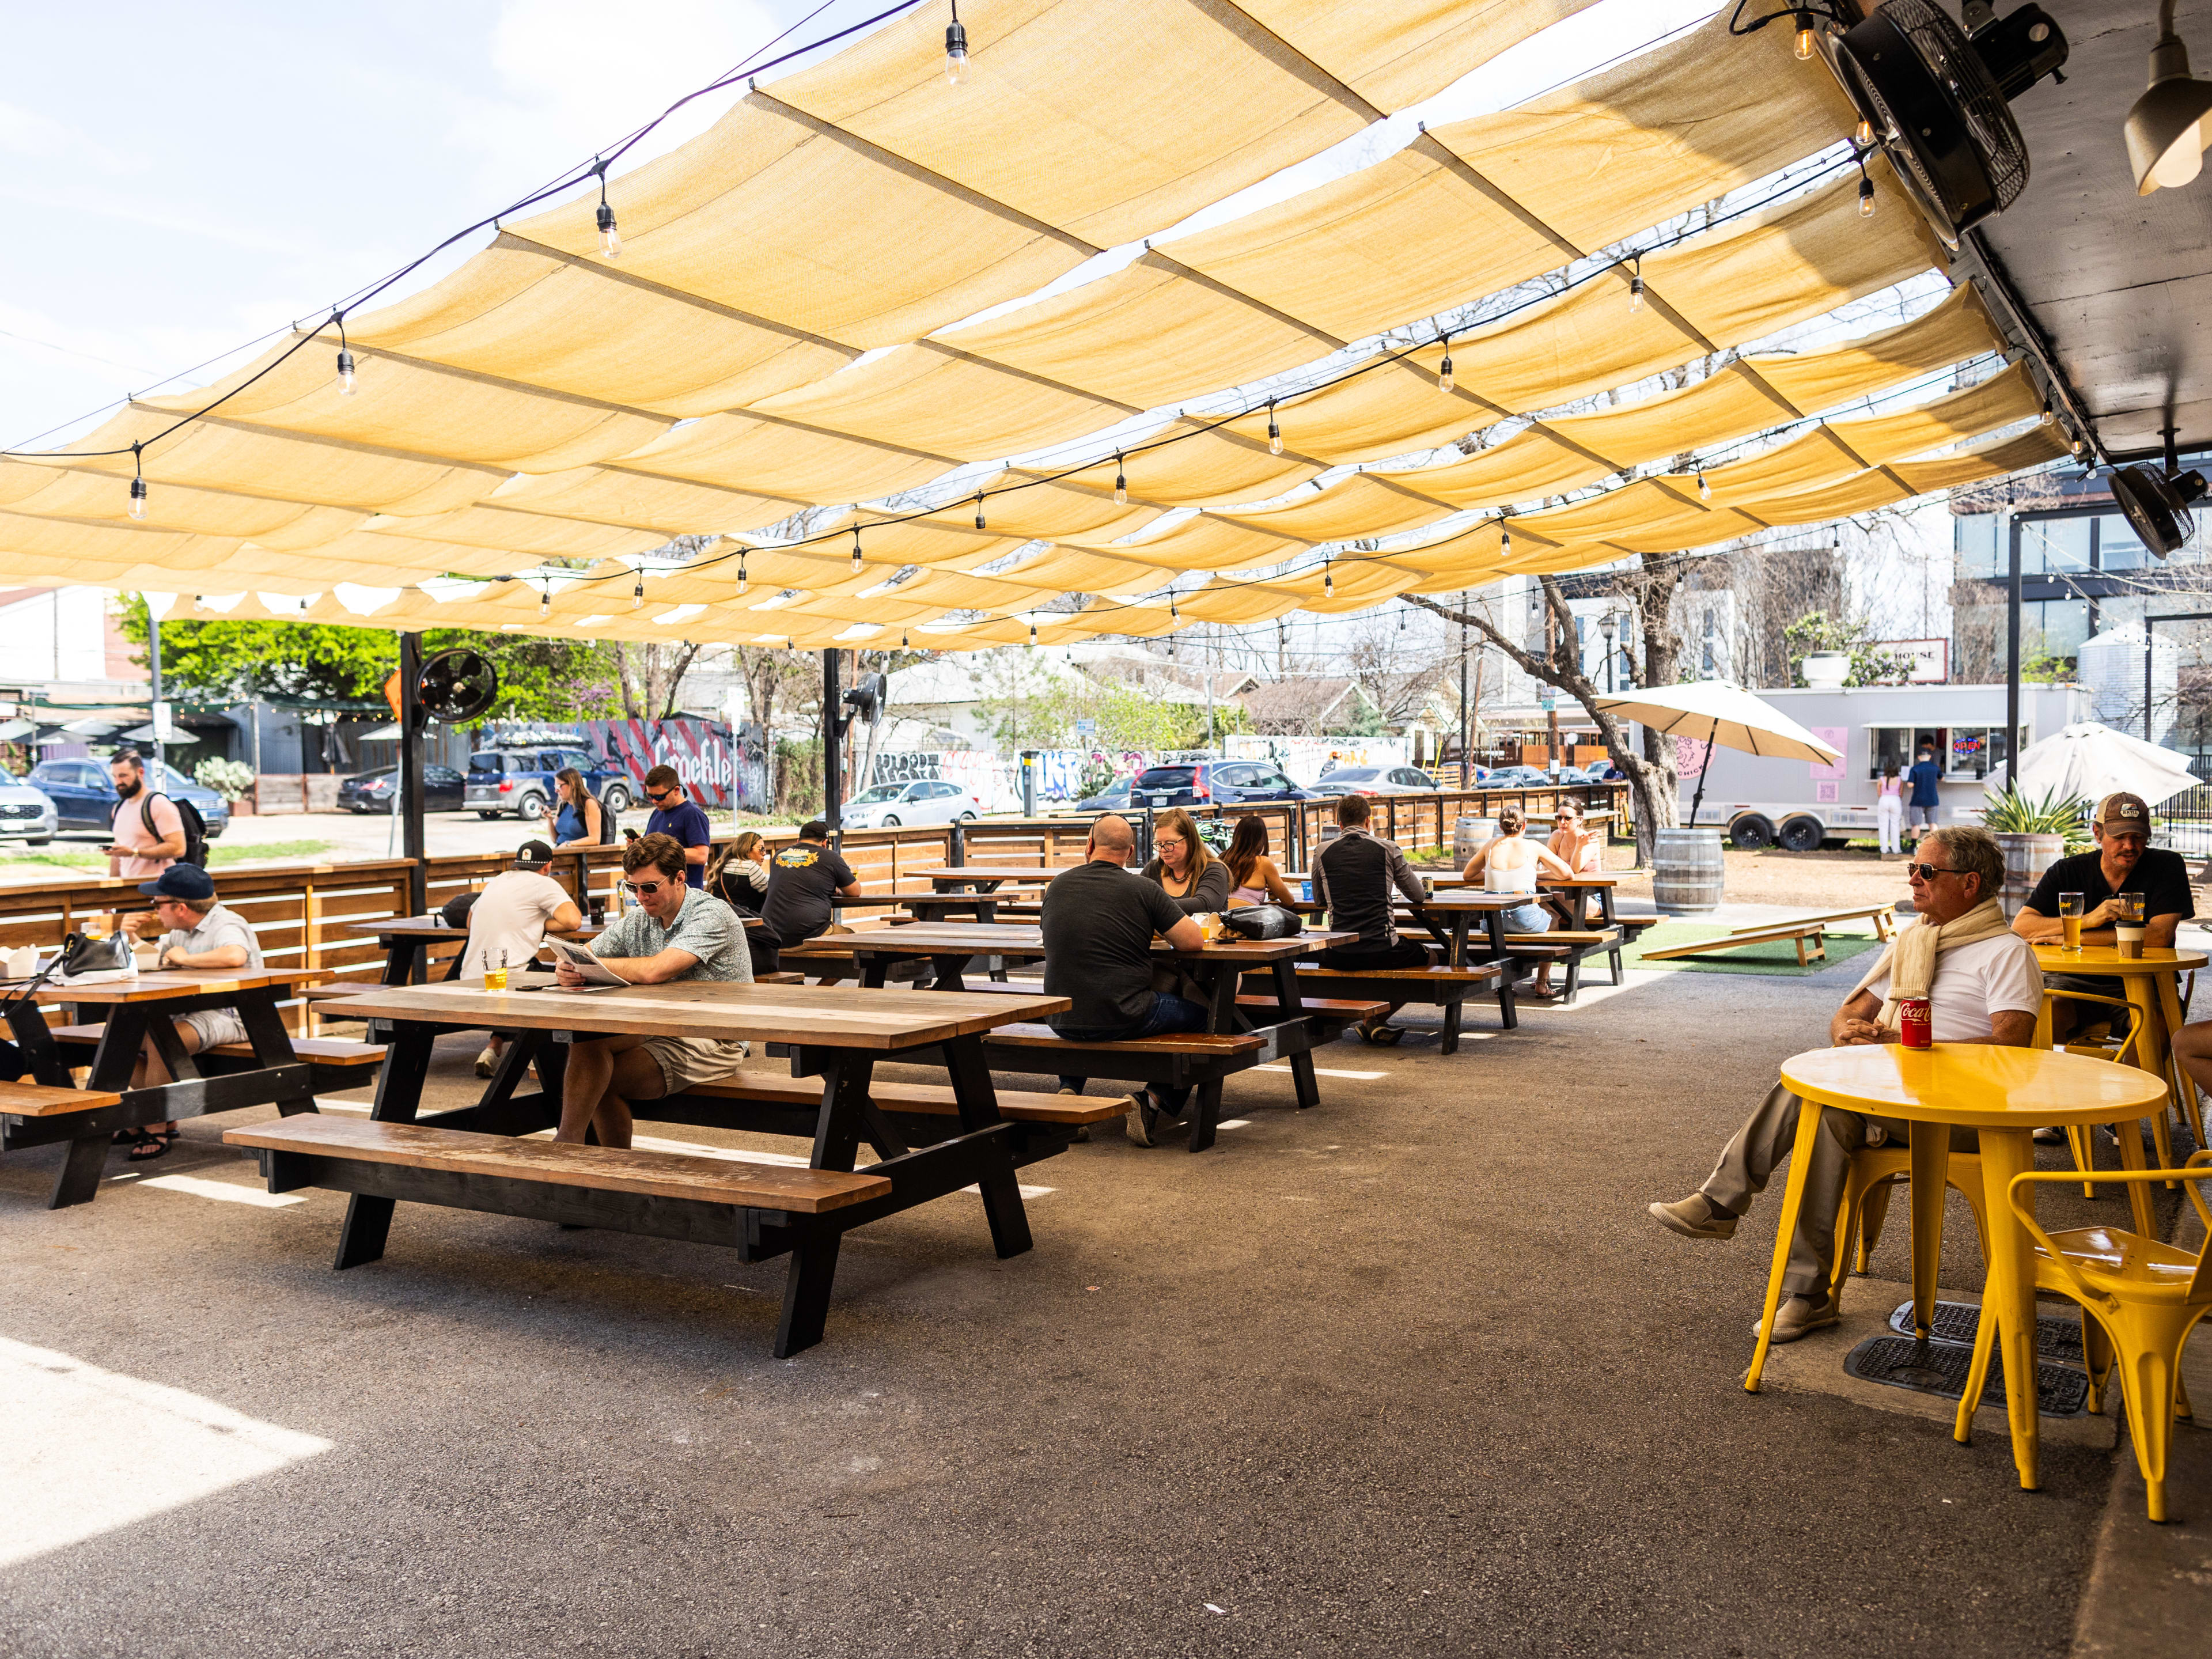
(198, 933)
(675, 932)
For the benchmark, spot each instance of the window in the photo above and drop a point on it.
(2053, 547)
(1976, 539)
(2063, 624)
(2118, 547)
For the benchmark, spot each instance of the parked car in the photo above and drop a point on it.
(1114, 798)
(521, 782)
(84, 796)
(1377, 781)
(1519, 777)
(931, 800)
(371, 791)
(27, 811)
(1212, 783)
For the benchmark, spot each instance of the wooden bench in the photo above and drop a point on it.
(1193, 1059)
(1329, 1016)
(335, 1061)
(924, 1099)
(760, 1210)
(1797, 932)
(41, 1100)
(1575, 945)
(1436, 987)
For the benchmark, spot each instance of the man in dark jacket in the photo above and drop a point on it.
(1358, 876)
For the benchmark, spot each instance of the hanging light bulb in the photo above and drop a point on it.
(1864, 137)
(2046, 419)
(1504, 538)
(1275, 432)
(902, 644)
(1174, 614)
(1444, 369)
(609, 238)
(1636, 287)
(544, 600)
(1328, 581)
(137, 484)
(1033, 636)
(1804, 36)
(345, 372)
(742, 583)
(978, 509)
(955, 50)
(1704, 488)
(638, 594)
(856, 550)
(1401, 621)
(1121, 482)
(199, 602)
(1170, 647)
(1866, 195)
(2081, 448)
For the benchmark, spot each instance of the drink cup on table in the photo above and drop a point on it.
(1916, 1022)
(2128, 930)
(495, 978)
(2069, 917)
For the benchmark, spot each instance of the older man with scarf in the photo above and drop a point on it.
(1983, 986)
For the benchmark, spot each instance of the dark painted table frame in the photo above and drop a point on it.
(984, 1153)
(275, 1077)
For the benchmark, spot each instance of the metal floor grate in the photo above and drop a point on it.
(2056, 1337)
(1940, 1368)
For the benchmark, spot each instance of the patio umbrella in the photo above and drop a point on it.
(1721, 713)
(2091, 761)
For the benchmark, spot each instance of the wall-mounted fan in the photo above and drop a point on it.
(1935, 96)
(2157, 504)
(457, 686)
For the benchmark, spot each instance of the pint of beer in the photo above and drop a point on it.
(2069, 916)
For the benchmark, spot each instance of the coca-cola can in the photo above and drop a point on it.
(1916, 1022)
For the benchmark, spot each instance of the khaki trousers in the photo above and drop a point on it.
(1767, 1137)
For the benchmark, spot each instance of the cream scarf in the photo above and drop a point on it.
(1910, 958)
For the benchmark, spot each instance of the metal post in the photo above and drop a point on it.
(2012, 657)
(1465, 761)
(413, 846)
(153, 664)
(832, 779)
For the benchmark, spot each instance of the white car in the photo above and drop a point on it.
(27, 811)
(932, 801)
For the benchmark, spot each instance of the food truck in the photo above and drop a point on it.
(1797, 804)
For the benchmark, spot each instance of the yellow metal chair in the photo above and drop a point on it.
(1875, 1173)
(2139, 1299)
(2077, 1138)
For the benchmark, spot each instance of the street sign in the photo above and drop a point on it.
(165, 722)
(1084, 728)
(1547, 704)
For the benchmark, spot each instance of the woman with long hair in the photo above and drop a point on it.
(739, 877)
(1889, 809)
(1511, 863)
(1184, 867)
(1579, 846)
(1253, 877)
(578, 822)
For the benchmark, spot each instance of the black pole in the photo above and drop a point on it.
(412, 845)
(2012, 662)
(1466, 760)
(153, 664)
(1704, 772)
(2150, 624)
(833, 805)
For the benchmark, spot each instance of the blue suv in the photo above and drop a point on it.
(519, 780)
(84, 796)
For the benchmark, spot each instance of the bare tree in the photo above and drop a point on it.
(652, 676)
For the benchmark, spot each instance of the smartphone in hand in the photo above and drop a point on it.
(629, 835)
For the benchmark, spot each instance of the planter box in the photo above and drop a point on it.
(296, 792)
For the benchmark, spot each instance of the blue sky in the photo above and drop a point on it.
(179, 180)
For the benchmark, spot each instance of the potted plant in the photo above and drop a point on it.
(2035, 834)
(231, 780)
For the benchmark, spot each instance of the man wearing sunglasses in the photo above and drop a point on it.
(674, 932)
(1982, 985)
(679, 818)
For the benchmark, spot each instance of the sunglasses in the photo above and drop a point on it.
(645, 889)
(663, 794)
(1928, 872)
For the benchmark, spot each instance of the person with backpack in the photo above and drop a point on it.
(150, 830)
(581, 821)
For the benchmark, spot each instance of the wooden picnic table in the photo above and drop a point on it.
(986, 878)
(133, 1011)
(1216, 966)
(404, 940)
(834, 1032)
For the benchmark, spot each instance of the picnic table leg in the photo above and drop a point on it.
(271, 1043)
(1509, 1017)
(1293, 1007)
(806, 1284)
(1452, 1007)
(1205, 1114)
(872, 970)
(79, 1180)
(398, 1094)
(977, 1098)
(945, 972)
(847, 1115)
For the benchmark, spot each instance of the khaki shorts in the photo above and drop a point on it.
(214, 1025)
(686, 1061)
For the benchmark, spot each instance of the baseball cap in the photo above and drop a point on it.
(180, 881)
(2121, 811)
(533, 855)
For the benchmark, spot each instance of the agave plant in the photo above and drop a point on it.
(2010, 813)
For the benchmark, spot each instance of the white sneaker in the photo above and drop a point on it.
(488, 1062)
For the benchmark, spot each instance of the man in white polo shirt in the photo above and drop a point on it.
(508, 922)
(1983, 986)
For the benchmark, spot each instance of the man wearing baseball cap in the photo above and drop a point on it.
(199, 933)
(2124, 862)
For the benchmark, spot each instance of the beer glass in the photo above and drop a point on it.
(495, 978)
(2069, 915)
(2128, 931)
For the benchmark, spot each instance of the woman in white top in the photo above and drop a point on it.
(1889, 809)
(1511, 863)
(1253, 876)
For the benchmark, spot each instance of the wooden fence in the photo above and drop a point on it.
(300, 912)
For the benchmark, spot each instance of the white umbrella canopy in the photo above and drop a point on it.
(2091, 761)
(1714, 711)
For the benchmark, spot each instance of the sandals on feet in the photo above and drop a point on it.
(151, 1143)
(1382, 1036)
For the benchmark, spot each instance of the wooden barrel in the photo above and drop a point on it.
(1469, 835)
(1687, 872)
(2026, 857)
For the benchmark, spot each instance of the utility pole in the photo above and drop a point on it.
(1466, 760)
(413, 842)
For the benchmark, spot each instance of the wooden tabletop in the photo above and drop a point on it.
(172, 982)
(1015, 939)
(2106, 962)
(991, 872)
(831, 1016)
(432, 927)
(1976, 1084)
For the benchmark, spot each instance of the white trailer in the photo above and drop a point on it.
(1799, 805)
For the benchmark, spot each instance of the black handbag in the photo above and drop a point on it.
(1262, 921)
(109, 958)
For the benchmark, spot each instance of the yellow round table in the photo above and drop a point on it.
(2005, 1094)
(2154, 993)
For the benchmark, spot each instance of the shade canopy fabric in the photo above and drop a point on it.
(857, 298)
(2092, 761)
